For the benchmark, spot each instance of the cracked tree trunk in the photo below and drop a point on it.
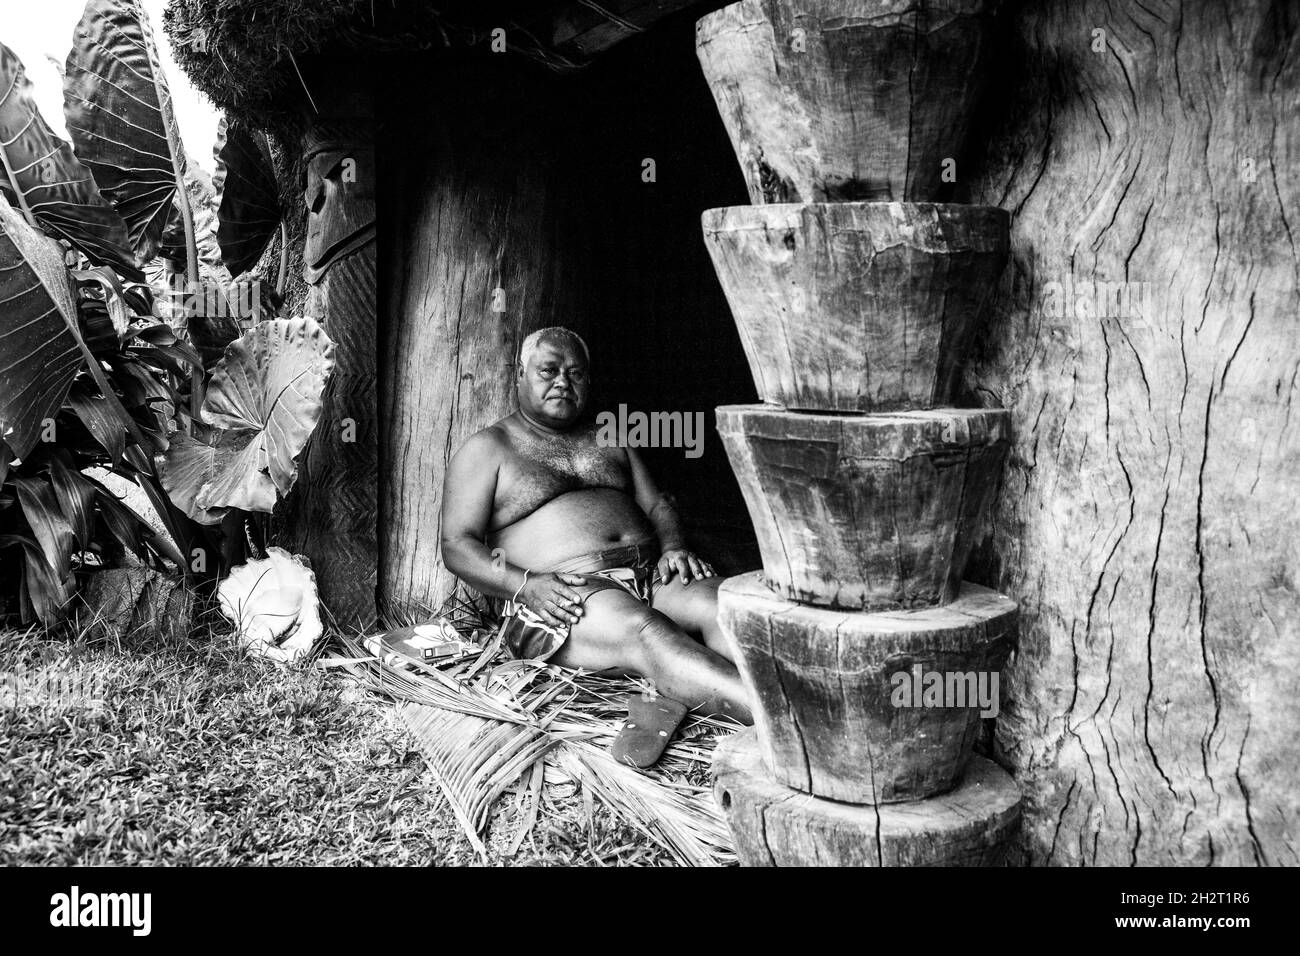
(1145, 524)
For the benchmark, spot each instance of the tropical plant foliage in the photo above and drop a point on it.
(43, 178)
(119, 114)
(249, 199)
(263, 404)
(91, 374)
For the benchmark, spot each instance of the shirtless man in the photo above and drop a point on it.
(588, 553)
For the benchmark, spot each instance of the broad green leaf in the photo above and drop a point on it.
(123, 523)
(100, 420)
(249, 213)
(160, 334)
(119, 114)
(40, 174)
(192, 467)
(107, 284)
(203, 204)
(76, 498)
(49, 525)
(187, 468)
(39, 351)
(266, 396)
(46, 592)
(271, 382)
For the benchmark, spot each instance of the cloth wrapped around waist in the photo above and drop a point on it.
(630, 568)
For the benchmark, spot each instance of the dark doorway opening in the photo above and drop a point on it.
(636, 279)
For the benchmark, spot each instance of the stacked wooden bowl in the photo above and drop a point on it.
(857, 297)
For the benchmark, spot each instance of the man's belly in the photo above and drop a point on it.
(573, 524)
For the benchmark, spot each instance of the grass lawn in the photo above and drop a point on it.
(199, 756)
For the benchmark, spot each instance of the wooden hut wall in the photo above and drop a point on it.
(496, 175)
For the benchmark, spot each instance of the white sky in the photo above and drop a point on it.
(35, 28)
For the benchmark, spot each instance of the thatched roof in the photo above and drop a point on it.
(247, 54)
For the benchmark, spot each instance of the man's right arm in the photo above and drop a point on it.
(468, 489)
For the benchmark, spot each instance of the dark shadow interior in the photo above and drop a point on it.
(660, 331)
(662, 335)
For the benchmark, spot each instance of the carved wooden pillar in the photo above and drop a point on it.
(867, 489)
(332, 514)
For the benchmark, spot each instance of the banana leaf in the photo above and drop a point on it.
(264, 401)
(249, 211)
(39, 350)
(41, 176)
(119, 113)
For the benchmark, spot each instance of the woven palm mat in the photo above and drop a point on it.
(487, 725)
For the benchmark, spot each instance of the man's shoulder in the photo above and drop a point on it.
(491, 440)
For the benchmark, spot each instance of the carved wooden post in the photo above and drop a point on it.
(332, 514)
(865, 517)
(839, 100)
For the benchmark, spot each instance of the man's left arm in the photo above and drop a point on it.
(662, 512)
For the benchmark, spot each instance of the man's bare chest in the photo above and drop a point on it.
(542, 469)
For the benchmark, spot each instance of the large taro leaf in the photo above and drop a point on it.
(201, 189)
(41, 175)
(264, 401)
(39, 351)
(119, 113)
(249, 210)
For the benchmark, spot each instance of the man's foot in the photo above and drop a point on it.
(650, 723)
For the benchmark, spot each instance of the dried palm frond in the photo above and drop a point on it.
(473, 759)
(485, 723)
(682, 819)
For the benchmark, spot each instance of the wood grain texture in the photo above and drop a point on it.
(823, 687)
(857, 306)
(838, 100)
(1147, 525)
(332, 514)
(773, 825)
(866, 512)
(482, 210)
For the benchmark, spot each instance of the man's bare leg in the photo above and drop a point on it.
(694, 607)
(616, 631)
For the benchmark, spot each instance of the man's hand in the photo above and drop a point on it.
(551, 595)
(685, 563)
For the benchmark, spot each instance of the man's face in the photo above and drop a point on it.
(553, 386)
